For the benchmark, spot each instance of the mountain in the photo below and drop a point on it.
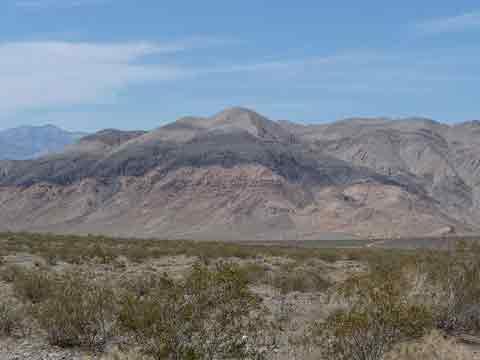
(27, 142)
(239, 175)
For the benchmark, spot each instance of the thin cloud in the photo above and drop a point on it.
(52, 74)
(295, 66)
(458, 23)
(45, 74)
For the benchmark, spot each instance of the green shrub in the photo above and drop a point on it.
(32, 285)
(256, 273)
(298, 280)
(455, 277)
(120, 355)
(435, 346)
(78, 312)
(144, 283)
(210, 315)
(379, 315)
(11, 318)
(10, 272)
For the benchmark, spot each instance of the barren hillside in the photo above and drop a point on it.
(240, 176)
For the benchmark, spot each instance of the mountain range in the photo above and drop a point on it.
(240, 176)
(27, 142)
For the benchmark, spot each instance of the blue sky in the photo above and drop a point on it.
(92, 64)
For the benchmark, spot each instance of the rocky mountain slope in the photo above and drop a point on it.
(27, 142)
(239, 175)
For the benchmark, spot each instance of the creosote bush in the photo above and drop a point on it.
(32, 285)
(210, 315)
(129, 355)
(78, 312)
(293, 277)
(9, 272)
(144, 283)
(378, 315)
(82, 249)
(298, 280)
(435, 346)
(455, 277)
(11, 318)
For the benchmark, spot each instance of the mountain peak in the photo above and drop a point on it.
(239, 119)
(232, 120)
(236, 111)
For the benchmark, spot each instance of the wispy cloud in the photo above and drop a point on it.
(354, 58)
(42, 74)
(44, 4)
(457, 23)
(53, 74)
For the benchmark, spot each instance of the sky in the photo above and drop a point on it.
(138, 64)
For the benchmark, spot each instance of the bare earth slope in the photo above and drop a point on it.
(238, 175)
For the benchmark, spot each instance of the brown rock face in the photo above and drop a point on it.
(240, 176)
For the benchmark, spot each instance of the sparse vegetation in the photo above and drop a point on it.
(210, 315)
(298, 280)
(435, 346)
(128, 355)
(9, 273)
(11, 318)
(454, 278)
(33, 285)
(184, 300)
(78, 249)
(378, 314)
(77, 312)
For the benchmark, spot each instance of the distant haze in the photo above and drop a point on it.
(27, 142)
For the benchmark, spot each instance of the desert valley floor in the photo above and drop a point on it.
(70, 297)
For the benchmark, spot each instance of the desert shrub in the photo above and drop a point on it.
(102, 252)
(9, 272)
(121, 355)
(298, 280)
(455, 277)
(210, 315)
(51, 258)
(11, 318)
(78, 312)
(144, 283)
(32, 285)
(379, 314)
(435, 346)
(256, 273)
(295, 276)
